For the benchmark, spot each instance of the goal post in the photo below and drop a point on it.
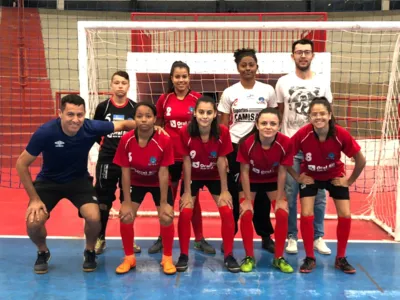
(361, 60)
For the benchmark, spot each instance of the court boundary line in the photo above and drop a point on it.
(370, 278)
(176, 238)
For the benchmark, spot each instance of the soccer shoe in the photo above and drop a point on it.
(342, 264)
(182, 264)
(156, 247)
(202, 245)
(268, 244)
(100, 246)
(282, 264)
(41, 264)
(231, 264)
(128, 263)
(308, 265)
(291, 246)
(321, 247)
(89, 262)
(168, 265)
(247, 264)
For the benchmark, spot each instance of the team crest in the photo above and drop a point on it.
(261, 100)
(153, 161)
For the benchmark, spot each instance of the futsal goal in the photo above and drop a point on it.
(360, 59)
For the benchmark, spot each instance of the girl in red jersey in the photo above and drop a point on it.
(144, 156)
(264, 155)
(322, 142)
(204, 146)
(175, 110)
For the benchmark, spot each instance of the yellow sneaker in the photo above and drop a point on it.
(128, 264)
(168, 266)
(100, 246)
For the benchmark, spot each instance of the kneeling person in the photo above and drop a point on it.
(64, 143)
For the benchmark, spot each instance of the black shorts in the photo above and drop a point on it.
(261, 187)
(139, 192)
(108, 176)
(213, 186)
(78, 191)
(175, 171)
(336, 192)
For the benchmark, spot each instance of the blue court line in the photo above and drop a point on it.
(206, 277)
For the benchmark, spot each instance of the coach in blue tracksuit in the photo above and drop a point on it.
(64, 144)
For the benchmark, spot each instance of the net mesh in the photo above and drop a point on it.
(360, 64)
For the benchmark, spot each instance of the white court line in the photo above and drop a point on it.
(176, 238)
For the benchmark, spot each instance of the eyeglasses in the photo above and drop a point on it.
(314, 115)
(301, 52)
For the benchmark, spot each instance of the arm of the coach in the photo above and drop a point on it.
(125, 125)
(22, 166)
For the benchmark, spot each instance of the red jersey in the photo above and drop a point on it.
(264, 163)
(144, 162)
(204, 156)
(322, 159)
(176, 114)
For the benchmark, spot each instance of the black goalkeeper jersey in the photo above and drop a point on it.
(108, 111)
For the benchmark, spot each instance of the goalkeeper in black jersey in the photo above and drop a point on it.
(108, 175)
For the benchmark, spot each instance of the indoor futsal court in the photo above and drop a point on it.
(46, 54)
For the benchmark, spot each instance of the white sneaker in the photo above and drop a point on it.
(291, 246)
(321, 247)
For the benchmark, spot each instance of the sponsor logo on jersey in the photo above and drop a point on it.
(118, 117)
(198, 165)
(191, 110)
(321, 168)
(59, 144)
(175, 124)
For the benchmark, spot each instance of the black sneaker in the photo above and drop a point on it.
(89, 263)
(308, 265)
(231, 264)
(182, 264)
(202, 245)
(342, 264)
(41, 264)
(268, 244)
(156, 247)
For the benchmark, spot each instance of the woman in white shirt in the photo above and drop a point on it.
(239, 106)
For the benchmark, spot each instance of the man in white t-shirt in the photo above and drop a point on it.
(294, 93)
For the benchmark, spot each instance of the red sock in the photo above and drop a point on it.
(227, 228)
(197, 220)
(246, 228)
(342, 233)
(307, 231)
(184, 229)
(281, 229)
(127, 236)
(167, 235)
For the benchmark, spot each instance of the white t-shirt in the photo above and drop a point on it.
(243, 105)
(296, 94)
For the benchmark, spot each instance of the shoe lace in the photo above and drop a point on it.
(42, 258)
(90, 256)
(343, 262)
(230, 260)
(247, 260)
(308, 261)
